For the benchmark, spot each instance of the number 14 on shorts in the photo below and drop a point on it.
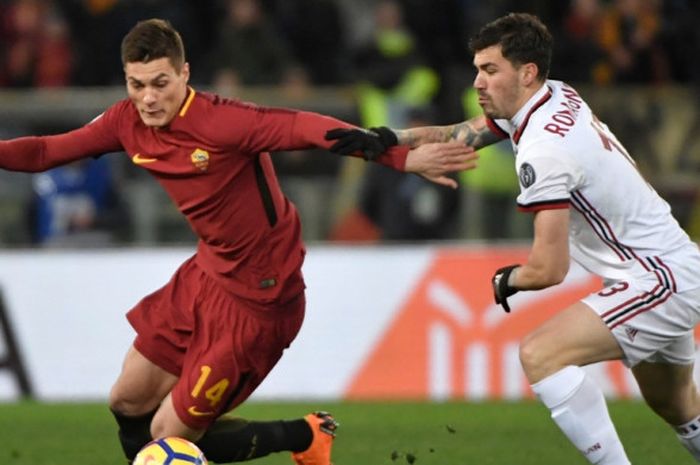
(213, 394)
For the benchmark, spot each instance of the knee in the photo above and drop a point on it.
(535, 358)
(130, 405)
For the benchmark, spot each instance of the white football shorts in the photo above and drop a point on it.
(650, 321)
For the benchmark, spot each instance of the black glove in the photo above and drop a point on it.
(501, 289)
(371, 143)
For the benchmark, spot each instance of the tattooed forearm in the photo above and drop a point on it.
(415, 137)
(473, 132)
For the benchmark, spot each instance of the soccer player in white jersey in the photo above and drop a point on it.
(589, 202)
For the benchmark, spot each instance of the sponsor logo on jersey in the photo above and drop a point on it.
(139, 159)
(200, 159)
(527, 175)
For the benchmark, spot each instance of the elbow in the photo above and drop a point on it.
(36, 167)
(555, 275)
(24, 154)
(547, 277)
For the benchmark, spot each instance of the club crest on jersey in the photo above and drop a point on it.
(200, 159)
(527, 175)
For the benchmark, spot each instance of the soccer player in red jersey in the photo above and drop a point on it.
(209, 337)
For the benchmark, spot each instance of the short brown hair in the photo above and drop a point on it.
(523, 39)
(152, 39)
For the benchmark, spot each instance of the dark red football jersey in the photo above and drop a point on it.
(213, 160)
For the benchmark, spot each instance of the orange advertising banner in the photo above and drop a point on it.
(450, 341)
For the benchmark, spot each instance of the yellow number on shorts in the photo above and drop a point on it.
(214, 393)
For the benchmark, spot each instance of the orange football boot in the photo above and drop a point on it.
(323, 426)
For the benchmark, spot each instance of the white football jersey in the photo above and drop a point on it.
(620, 227)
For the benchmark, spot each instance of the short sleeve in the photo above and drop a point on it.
(546, 181)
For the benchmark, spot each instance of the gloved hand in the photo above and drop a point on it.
(501, 289)
(371, 142)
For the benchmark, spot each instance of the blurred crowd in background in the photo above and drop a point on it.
(329, 42)
(404, 62)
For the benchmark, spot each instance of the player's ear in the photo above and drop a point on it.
(529, 73)
(185, 72)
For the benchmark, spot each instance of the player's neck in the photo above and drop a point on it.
(527, 94)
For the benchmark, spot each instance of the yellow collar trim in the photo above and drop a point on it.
(188, 102)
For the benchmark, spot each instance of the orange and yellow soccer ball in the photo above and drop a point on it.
(170, 451)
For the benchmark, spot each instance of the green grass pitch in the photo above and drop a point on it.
(371, 433)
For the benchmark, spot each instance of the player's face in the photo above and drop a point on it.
(156, 89)
(498, 83)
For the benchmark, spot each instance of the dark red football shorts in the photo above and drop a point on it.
(221, 346)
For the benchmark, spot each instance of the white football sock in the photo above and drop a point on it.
(578, 408)
(689, 435)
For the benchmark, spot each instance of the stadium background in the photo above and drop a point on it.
(399, 306)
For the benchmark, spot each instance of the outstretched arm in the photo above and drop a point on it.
(40, 153)
(34, 154)
(473, 132)
(435, 161)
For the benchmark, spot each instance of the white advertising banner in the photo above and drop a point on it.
(381, 322)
